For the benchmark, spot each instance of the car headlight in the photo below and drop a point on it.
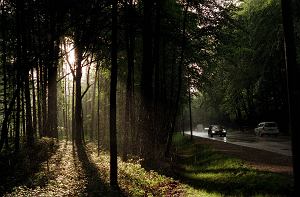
(224, 131)
(213, 131)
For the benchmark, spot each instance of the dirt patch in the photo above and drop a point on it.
(258, 159)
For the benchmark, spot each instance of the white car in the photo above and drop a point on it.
(266, 128)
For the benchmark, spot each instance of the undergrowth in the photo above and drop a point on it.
(23, 167)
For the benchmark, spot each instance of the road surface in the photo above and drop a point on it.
(280, 144)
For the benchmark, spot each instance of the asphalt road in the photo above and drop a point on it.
(280, 144)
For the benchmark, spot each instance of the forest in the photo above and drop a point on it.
(126, 76)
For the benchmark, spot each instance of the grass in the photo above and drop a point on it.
(196, 170)
(201, 167)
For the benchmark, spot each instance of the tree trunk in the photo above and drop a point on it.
(180, 68)
(146, 125)
(158, 139)
(113, 89)
(92, 123)
(66, 108)
(52, 101)
(52, 84)
(18, 109)
(34, 118)
(293, 72)
(39, 109)
(190, 108)
(98, 111)
(78, 101)
(73, 110)
(29, 129)
(44, 100)
(130, 64)
(23, 112)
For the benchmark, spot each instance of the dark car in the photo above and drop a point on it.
(216, 130)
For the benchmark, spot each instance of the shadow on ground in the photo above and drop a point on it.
(18, 168)
(95, 186)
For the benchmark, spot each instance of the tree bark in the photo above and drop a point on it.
(29, 129)
(180, 68)
(44, 72)
(34, 118)
(146, 112)
(130, 64)
(18, 109)
(8, 112)
(78, 98)
(113, 89)
(98, 110)
(52, 72)
(190, 108)
(39, 109)
(293, 72)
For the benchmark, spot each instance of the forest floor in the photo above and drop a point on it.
(197, 171)
(81, 172)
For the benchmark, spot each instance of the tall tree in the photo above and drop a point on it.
(52, 70)
(113, 89)
(293, 72)
(146, 84)
(130, 43)
(78, 98)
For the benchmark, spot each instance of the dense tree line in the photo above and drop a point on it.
(246, 81)
(38, 39)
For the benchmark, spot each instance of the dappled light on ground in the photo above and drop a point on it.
(64, 178)
(79, 171)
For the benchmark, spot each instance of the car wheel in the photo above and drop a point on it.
(211, 135)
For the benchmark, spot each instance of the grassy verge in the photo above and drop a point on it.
(135, 181)
(202, 168)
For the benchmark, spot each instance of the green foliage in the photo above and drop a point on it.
(246, 81)
(203, 168)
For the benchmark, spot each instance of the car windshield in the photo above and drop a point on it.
(271, 124)
(217, 127)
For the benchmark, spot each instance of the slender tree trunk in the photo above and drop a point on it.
(52, 101)
(98, 111)
(8, 112)
(180, 68)
(73, 110)
(29, 129)
(3, 61)
(130, 64)
(156, 57)
(113, 90)
(92, 123)
(44, 73)
(293, 72)
(39, 110)
(146, 113)
(78, 98)
(18, 109)
(67, 108)
(23, 112)
(3, 58)
(190, 109)
(52, 89)
(34, 118)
